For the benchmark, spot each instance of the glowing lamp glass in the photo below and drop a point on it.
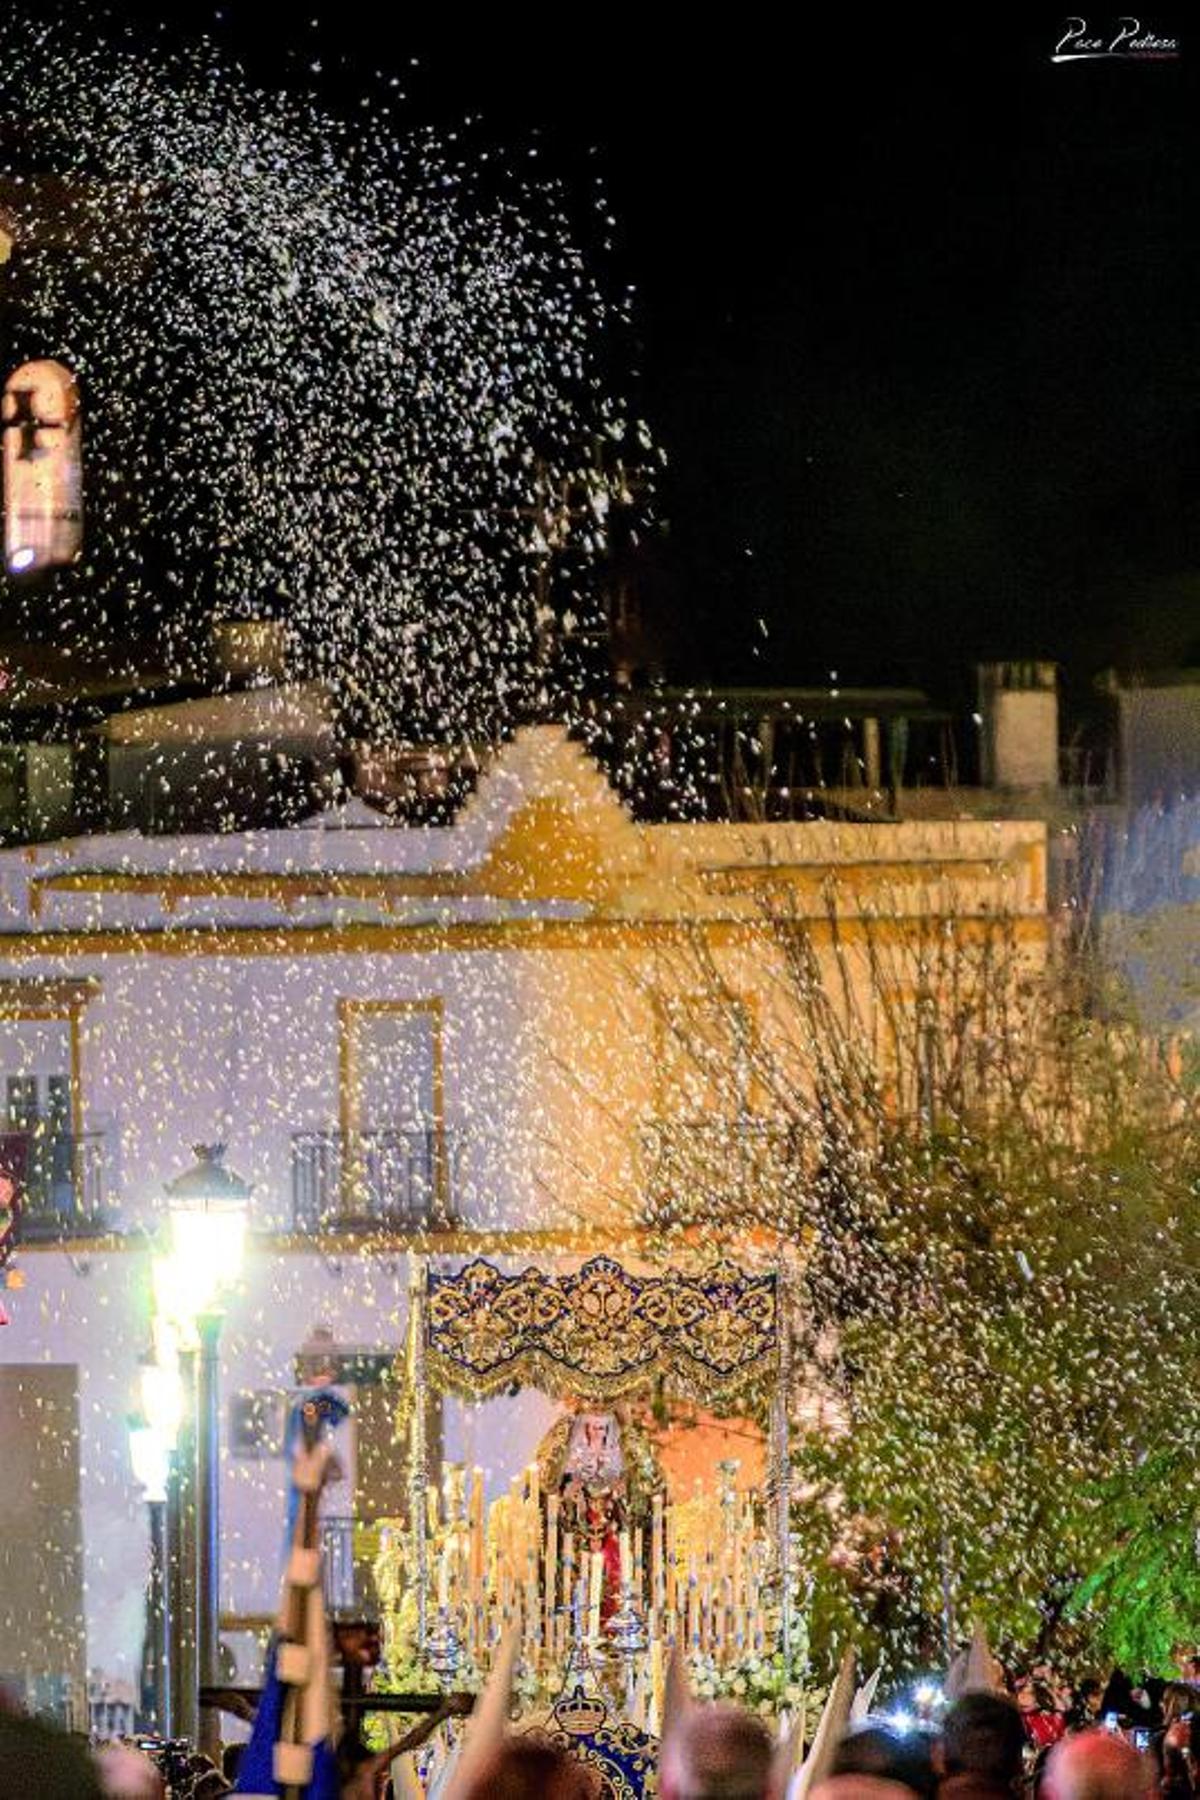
(208, 1248)
(162, 1400)
(149, 1456)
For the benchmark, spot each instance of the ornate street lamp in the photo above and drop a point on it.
(208, 1218)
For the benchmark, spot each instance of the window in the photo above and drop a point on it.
(35, 1059)
(257, 1421)
(43, 475)
(394, 1162)
(391, 1055)
(22, 1109)
(63, 1170)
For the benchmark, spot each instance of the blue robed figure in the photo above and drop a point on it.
(291, 1748)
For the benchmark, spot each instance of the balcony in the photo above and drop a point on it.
(64, 1188)
(372, 1180)
(704, 1171)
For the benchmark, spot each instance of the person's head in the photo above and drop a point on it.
(526, 1769)
(1118, 1695)
(983, 1735)
(1178, 1699)
(212, 1785)
(716, 1753)
(1032, 1694)
(880, 1751)
(1097, 1765)
(860, 1787)
(36, 1759)
(1089, 1696)
(125, 1774)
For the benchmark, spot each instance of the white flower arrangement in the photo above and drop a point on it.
(766, 1684)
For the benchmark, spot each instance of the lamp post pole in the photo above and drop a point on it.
(187, 1718)
(208, 1525)
(172, 1564)
(150, 1460)
(156, 1678)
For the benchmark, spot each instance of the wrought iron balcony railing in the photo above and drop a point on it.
(63, 1181)
(371, 1179)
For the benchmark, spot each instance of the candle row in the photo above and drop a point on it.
(695, 1572)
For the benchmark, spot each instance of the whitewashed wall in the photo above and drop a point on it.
(92, 1312)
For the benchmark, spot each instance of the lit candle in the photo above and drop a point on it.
(568, 1588)
(656, 1686)
(579, 1603)
(671, 1592)
(626, 1559)
(550, 1578)
(658, 1592)
(531, 1617)
(595, 1588)
(476, 1516)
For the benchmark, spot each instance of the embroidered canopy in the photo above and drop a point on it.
(601, 1331)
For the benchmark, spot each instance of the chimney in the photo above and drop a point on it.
(1018, 706)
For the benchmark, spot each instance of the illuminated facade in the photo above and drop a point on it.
(43, 469)
(447, 1036)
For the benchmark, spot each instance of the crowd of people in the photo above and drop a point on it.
(1029, 1739)
(982, 1752)
(1155, 1716)
(1039, 1740)
(38, 1760)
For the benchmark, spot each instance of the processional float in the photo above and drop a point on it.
(608, 1572)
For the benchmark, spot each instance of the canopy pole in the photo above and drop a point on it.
(418, 1446)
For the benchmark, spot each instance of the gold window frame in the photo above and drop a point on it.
(350, 1013)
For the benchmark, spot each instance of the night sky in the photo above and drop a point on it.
(918, 313)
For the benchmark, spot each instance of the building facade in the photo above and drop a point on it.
(433, 1039)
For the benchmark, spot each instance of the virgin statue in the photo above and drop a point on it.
(603, 1468)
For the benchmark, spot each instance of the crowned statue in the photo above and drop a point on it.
(603, 1467)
